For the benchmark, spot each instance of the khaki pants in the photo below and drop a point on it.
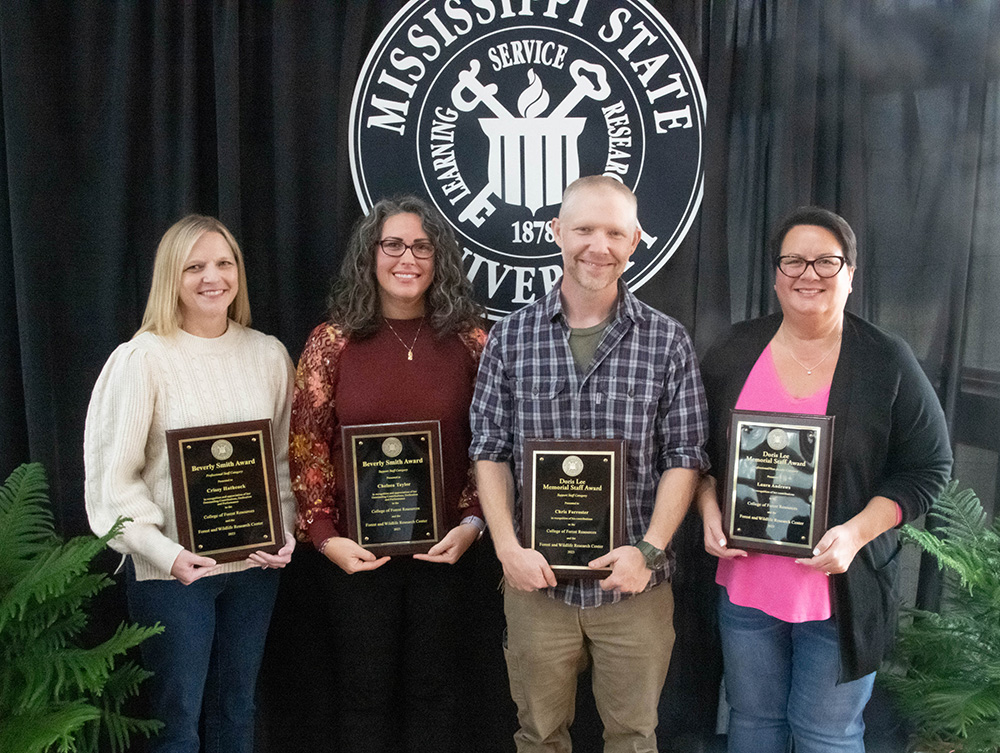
(549, 643)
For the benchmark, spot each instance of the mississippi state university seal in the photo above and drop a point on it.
(490, 108)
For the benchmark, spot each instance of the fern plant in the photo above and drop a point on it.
(945, 671)
(55, 694)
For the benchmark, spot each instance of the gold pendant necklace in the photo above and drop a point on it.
(409, 348)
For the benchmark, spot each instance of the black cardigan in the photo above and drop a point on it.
(890, 439)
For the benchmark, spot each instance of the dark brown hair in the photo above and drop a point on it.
(820, 217)
(354, 300)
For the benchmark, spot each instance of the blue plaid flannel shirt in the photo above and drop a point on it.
(643, 386)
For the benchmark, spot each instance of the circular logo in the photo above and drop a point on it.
(391, 447)
(777, 439)
(572, 465)
(222, 449)
(490, 109)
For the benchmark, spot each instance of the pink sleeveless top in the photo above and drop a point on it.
(768, 582)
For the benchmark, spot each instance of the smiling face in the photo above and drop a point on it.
(811, 295)
(209, 282)
(597, 232)
(403, 280)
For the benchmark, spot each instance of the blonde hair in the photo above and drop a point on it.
(605, 182)
(162, 316)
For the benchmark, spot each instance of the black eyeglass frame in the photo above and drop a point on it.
(411, 247)
(812, 263)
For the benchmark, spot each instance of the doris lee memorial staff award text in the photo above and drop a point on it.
(777, 487)
(225, 489)
(572, 502)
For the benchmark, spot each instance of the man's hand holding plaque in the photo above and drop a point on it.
(572, 503)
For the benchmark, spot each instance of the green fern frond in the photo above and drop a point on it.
(60, 618)
(959, 513)
(89, 669)
(54, 693)
(945, 670)
(114, 727)
(62, 672)
(40, 731)
(24, 503)
(118, 730)
(961, 540)
(125, 680)
(26, 526)
(49, 576)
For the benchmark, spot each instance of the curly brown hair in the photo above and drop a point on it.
(354, 299)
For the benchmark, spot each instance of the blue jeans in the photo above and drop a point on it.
(781, 685)
(209, 653)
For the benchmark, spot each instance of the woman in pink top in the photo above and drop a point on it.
(802, 638)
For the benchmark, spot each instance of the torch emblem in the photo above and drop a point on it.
(532, 158)
(490, 110)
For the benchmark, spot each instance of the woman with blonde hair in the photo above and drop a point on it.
(402, 343)
(193, 362)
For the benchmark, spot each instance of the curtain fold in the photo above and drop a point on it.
(119, 117)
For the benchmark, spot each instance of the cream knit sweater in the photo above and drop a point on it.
(153, 383)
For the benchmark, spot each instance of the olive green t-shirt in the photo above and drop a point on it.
(583, 342)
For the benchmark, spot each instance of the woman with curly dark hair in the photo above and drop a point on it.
(402, 343)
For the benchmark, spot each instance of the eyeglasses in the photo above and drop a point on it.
(396, 247)
(824, 266)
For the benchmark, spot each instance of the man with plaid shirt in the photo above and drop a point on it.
(589, 361)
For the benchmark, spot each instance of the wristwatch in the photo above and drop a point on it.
(474, 520)
(654, 557)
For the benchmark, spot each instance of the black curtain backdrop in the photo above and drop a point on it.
(119, 117)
